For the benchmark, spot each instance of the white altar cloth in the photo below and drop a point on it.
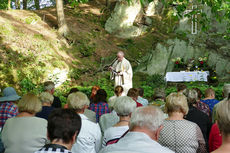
(187, 76)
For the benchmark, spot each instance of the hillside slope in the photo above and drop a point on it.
(31, 51)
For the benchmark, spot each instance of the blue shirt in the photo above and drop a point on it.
(46, 110)
(210, 102)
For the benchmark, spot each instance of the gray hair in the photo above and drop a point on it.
(192, 96)
(223, 116)
(124, 105)
(49, 85)
(226, 90)
(77, 100)
(150, 117)
(46, 97)
(121, 53)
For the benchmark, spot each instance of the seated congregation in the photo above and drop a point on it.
(182, 122)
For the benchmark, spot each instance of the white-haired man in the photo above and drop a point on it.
(145, 126)
(89, 138)
(122, 72)
(49, 87)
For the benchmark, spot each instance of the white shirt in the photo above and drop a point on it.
(89, 138)
(113, 133)
(136, 142)
(108, 120)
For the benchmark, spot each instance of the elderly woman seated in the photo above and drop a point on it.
(223, 121)
(124, 106)
(25, 133)
(197, 116)
(47, 100)
(178, 134)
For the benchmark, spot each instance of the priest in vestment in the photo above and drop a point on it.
(122, 72)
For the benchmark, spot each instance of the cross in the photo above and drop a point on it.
(194, 19)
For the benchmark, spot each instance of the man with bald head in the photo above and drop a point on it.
(122, 72)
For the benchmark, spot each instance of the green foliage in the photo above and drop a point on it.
(219, 8)
(26, 85)
(154, 81)
(75, 3)
(86, 50)
(32, 19)
(3, 4)
(76, 73)
(148, 83)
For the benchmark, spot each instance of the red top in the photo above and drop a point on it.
(215, 139)
(139, 104)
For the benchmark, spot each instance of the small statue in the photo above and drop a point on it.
(190, 64)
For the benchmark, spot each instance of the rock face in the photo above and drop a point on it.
(160, 59)
(122, 20)
(210, 44)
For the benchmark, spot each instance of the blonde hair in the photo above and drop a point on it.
(223, 116)
(29, 103)
(46, 97)
(77, 100)
(176, 102)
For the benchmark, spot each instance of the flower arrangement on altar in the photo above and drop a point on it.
(178, 63)
(195, 64)
(178, 60)
(202, 62)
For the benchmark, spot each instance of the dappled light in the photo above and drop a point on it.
(125, 73)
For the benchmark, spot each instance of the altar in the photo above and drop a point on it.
(187, 76)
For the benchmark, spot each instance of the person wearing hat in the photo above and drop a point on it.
(8, 107)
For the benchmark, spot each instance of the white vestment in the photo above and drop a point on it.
(124, 80)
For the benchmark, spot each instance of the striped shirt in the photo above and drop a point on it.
(53, 148)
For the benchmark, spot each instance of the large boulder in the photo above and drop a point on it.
(121, 21)
(126, 19)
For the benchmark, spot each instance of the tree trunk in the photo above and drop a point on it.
(62, 26)
(24, 4)
(37, 5)
(9, 4)
(17, 4)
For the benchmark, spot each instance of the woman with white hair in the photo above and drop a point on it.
(89, 138)
(47, 100)
(124, 106)
(178, 134)
(223, 122)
